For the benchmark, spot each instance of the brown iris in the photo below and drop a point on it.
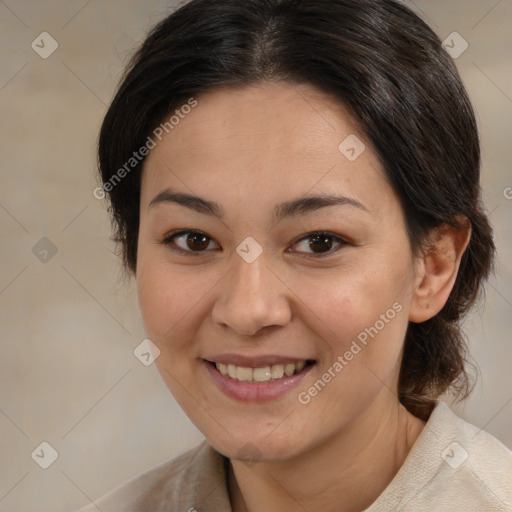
(197, 241)
(321, 241)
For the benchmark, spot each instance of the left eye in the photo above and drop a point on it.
(323, 242)
(196, 242)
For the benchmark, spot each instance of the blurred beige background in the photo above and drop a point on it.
(69, 325)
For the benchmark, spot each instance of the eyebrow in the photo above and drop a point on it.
(300, 206)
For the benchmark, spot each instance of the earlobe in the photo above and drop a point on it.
(437, 269)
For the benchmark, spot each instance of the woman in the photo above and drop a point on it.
(295, 187)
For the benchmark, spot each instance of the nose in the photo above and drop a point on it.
(252, 297)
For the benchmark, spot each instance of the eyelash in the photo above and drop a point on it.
(168, 242)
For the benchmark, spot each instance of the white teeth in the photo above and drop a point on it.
(277, 371)
(232, 371)
(300, 365)
(263, 374)
(243, 373)
(289, 369)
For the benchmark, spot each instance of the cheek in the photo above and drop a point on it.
(361, 319)
(351, 300)
(169, 304)
(174, 302)
(163, 300)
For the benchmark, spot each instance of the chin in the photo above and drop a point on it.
(257, 446)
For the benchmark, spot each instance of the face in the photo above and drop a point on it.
(248, 274)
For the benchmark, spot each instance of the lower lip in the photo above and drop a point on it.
(245, 391)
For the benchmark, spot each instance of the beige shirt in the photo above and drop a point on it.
(452, 467)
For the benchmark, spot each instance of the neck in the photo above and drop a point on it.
(346, 473)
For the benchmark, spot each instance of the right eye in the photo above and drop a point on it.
(188, 242)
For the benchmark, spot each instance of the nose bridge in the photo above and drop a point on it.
(252, 297)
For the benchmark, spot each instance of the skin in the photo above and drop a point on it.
(249, 149)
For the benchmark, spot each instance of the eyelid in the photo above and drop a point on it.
(311, 255)
(341, 241)
(167, 241)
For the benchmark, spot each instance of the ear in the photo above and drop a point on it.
(437, 269)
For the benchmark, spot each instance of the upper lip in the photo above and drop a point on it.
(254, 362)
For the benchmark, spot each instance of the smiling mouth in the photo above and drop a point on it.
(261, 374)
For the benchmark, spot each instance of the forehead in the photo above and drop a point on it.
(272, 138)
(286, 117)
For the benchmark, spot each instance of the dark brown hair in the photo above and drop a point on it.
(388, 68)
